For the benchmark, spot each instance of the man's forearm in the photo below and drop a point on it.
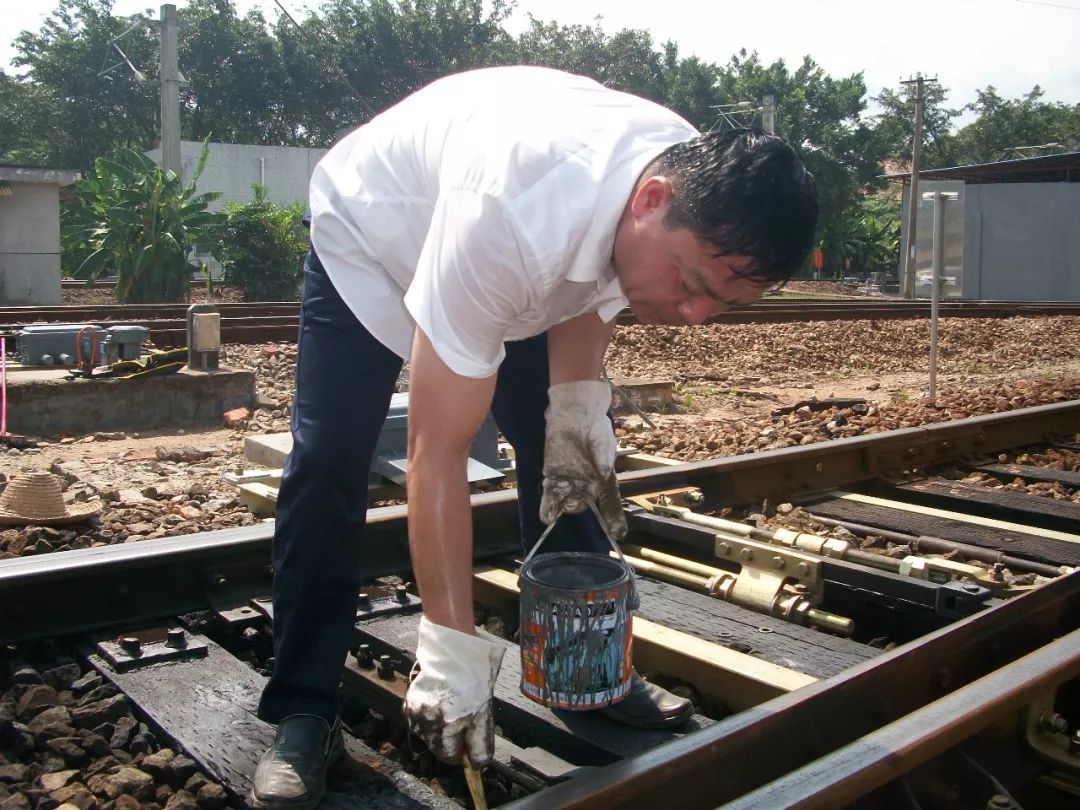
(440, 537)
(576, 348)
(445, 411)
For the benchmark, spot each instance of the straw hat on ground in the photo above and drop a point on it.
(36, 499)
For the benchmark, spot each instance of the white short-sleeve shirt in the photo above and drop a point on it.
(483, 208)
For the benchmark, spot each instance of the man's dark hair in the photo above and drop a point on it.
(745, 193)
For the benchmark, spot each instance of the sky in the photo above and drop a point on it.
(967, 44)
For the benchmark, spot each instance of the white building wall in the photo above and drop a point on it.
(233, 169)
(30, 235)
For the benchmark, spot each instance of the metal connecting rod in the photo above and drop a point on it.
(933, 569)
(771, 594)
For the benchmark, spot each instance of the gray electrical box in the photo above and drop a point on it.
(389, 462)
(53, 344)
(125, 342)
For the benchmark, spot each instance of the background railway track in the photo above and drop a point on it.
(857, 719)
(262, 322)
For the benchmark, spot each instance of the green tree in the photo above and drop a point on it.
(690, 86)
(821, 116)
(1028, 121)
(315, 100)
(17, 109)
(372, 53)
(843, 241)
(863, 239)
(626, 61)
(262, 247)
(881, 245)
(76, 98)
(235, 76)
(894, 126)
(140, 223)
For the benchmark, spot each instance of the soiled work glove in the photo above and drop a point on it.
(579, 455)
(448, 704)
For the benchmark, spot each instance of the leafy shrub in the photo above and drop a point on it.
(141, 223)
(262, 247)
(861, 241)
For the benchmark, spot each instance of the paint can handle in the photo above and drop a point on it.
(634, 601)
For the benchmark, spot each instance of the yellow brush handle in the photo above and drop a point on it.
(476, 786)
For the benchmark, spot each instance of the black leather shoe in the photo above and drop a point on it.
(292, 774)
(649, 706)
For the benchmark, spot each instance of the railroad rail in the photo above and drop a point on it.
(279, 321)
(795, 717)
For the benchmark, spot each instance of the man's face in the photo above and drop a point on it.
(668, 275)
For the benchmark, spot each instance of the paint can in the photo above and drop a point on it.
(576, 636)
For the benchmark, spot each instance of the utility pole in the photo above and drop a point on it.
(170, 91)
(768, 114)
(913, 191)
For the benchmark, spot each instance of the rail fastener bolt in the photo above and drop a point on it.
(386, 668)
(131, 646)
(363, 656)
(176, 638)
(401, 593)
(1053, 723)
(695, 497)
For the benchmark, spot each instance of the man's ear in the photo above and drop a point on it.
(653, 193)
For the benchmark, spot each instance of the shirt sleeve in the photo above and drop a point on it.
(470, 284)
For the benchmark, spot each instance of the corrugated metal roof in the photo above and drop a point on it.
(1062, 168)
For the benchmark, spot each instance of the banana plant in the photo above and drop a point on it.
(140, 223)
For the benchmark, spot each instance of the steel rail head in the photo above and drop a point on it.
(793, 471)
(75, 591)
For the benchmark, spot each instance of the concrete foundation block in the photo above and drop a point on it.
(29, 280)
(268, 449)
(48, 404)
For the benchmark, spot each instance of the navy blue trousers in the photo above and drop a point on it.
(344, 381)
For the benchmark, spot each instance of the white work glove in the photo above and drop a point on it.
(448, 704)
(579, 455)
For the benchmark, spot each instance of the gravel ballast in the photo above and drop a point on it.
(729, 380)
